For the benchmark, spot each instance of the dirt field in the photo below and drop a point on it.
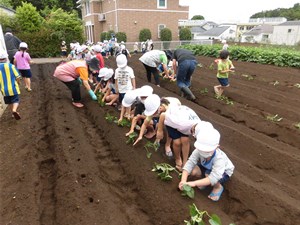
(66, 166)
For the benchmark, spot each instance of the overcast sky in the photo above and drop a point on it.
(234, 10)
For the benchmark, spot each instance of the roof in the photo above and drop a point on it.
(260, 29)
(197, 29)
(290, 23)
(216, 31)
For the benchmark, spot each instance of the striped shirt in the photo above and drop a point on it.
(8, 79)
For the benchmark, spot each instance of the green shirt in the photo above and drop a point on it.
(223, 65)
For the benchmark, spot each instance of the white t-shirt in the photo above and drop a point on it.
(181, 118)
(123, 77)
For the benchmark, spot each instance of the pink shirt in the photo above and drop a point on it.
(67, 72)
(22, 62)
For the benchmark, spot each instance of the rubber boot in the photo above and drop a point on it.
(188, 93)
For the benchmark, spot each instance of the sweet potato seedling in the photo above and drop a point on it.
(99, 98)
(124, 123)
(163, 170)
(274, 118)
(249, 77)
(110, 118)
(204, 91)
(131, 138)
(150, 145)
(188, 191)
(199, 217)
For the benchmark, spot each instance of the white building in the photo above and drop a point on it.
(287, 33)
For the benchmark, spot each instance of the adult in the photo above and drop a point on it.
(184, 65)
(151, 60)
(75, 72)
(12, 44)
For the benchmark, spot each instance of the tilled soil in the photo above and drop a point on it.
(66, 166)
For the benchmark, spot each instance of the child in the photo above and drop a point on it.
(208, 163)
(110, 96)
(22, 61)
(63, 50)
(225, 66)
(124, 76)
(9, 84)
(136, 48)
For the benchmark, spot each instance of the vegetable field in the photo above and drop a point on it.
(63, 165)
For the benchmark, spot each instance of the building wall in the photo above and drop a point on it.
(132, 16)
(286, 35)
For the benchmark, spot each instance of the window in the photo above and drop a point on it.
(162, 4)
(160, 27)
(289, 30)
(87, 7)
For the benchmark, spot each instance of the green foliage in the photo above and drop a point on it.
(185, 34)
(197, 17)
(188, 191)
(124, 123)
(144, 35)
(225, 99)
(109, 34)
(163, 171)
(65, 26)
(7, 21)
(273, 55)
(121, 36)
(150, 145)
(28, 19)
(6, 3)
(103, 36)
(131, 138)
(198, 217)
(99, 98)
(110, 118)
(166, 37)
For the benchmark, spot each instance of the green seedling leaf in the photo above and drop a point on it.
(215, 220)
(110, 118)
(163, 170)
(123, 123)
(204, 91)
(131, 138)
(211, 66)
(188, 191)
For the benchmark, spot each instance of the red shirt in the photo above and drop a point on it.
(101, 60)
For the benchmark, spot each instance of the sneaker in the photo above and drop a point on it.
(16, 115)
(77, 104)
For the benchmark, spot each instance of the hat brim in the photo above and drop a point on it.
(122, 65)
(205, 147)
(149, 112)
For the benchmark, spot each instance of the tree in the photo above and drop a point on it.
(166, 37)
(145, 34)
(65, 25)
(27, 18)
(197, 17)
(185, 34)
(6, 3)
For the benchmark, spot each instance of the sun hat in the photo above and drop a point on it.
(93, 64)
(3, 55)
(121, 61)
(23, 45)
(202, 125)
(208, 139)
(108, 74)
(103, 72)
(129, 98)
(97, 48)
(152, 104)
(145, 91)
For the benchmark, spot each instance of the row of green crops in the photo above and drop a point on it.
(262, 55)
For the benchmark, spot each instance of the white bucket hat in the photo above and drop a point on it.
(121, 61)
(23, 45)
(145, 91)
(152, 104)
(103, 72)
(129, 98)
(108, 75)
(202, 125)
(97, 48)
(208, 139)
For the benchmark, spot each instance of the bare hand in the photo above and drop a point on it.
(137, 140)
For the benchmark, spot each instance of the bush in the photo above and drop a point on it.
(145, 34)
(103, 36)
(121, 36)
(166, 37)
(185, 34)
(109, 34)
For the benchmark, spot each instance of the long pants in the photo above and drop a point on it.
(74, 86)
(152, 70)
(184, 73)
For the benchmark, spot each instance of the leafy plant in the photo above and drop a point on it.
(276, 82)
(212, 66)
(225, 99)
(123, 123)
(99, 98)
(297, 125)
(274, 118)
(110, 118)
(131, 138)
(249, 77)
(297, 85)
(163, 170)
(188, 191)
(150, 145)
(204, 91)
(197, 217)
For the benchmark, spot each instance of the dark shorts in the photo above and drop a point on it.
(139, 108)
(121, 96)
(175, 134)
(11, 99)
(204, 171)
(63, 53)
(224, 82)
(25, 73)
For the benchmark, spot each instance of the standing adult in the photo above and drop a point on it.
(186, 62)
(12, 44)
(151, 60)
(75, 72)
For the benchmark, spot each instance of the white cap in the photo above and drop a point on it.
(129, 98)
(23, 45)
(145, 90)
(108, 74)
(121, 61)
(207, 140)
(152, 104)
(122, 47)
(202, 125)
(3, 55)
(103, 72)
(97, 48)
